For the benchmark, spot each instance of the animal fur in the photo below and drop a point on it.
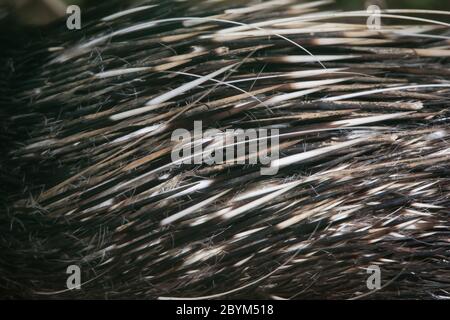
(87, 118)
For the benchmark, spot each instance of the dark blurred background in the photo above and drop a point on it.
(41, 12)
(362, 4)
(396, 4)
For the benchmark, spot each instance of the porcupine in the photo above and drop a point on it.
(363, 120)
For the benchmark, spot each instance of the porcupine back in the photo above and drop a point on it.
(365, 179)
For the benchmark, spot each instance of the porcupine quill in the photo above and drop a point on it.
(363, 121)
